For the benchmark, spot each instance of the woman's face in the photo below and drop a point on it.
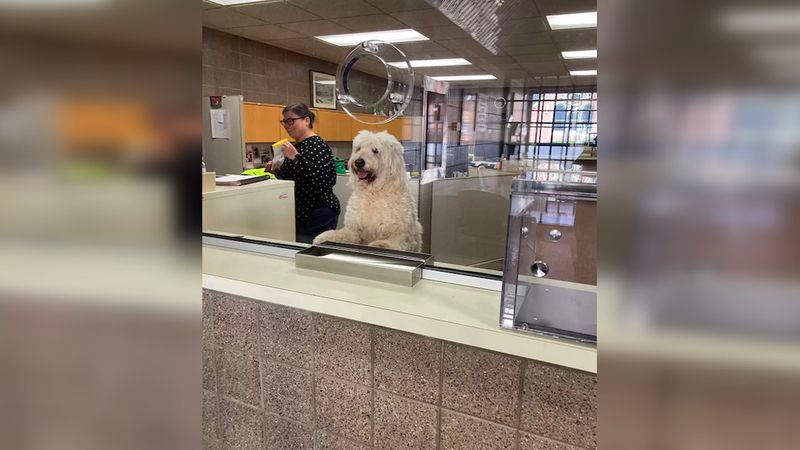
(295, 126)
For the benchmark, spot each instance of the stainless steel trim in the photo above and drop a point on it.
(388, 266)
(462, 279)
(522, 184)
(266, 248)
(427, 273)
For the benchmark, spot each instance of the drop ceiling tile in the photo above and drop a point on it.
(277, 12)
(581, 64)
(502, 10)
(437, 71)
(227, 18)
(547, 7)
(330, 9)
(467, 47)
(515, 9)
(432, 55)
(399, 5)
(535, 49)
(298, 44)
(524, 25)
(209, 5)
(568, 46)
(422, 47)
(422, 18)
(265, 32)
(542, 61)
(584, 37)
(480, 53)
(443, 32)
(498, 67)
(511, 74)
(374, 22)
(494, 60)
(528, 65)
(316, 28)
(524, 39)
(545, 68)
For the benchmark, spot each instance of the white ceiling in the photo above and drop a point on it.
(520, 48)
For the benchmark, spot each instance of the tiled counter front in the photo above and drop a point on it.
(284, 378)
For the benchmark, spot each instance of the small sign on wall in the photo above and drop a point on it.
(220, 125)
(215, 101)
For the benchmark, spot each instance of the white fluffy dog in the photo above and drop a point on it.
(381, 211)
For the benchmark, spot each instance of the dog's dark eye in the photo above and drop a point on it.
(375, 150)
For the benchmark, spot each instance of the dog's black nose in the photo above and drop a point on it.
(359, 163)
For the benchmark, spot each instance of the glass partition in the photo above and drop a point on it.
(481, 111)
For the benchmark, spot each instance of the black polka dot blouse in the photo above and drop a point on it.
(314, 176)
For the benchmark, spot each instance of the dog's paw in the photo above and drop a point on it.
(322, 237)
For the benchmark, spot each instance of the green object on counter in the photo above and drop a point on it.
(259, 172)
(340, 165)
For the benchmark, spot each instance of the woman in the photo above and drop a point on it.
(309, 163)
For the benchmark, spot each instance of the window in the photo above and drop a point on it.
(556, 123)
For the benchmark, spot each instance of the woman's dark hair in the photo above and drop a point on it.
(301, 109)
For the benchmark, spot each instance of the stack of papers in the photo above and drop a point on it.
(238, 180)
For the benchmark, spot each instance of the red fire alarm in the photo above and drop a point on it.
(216, 101)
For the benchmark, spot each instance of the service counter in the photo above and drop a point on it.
(264, 209)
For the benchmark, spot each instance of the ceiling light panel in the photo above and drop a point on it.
(573, 21)
(580, 73)
(465, 77)
(394, 36)
(433, 62)
(579, 54)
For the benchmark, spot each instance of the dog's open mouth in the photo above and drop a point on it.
(365, 175)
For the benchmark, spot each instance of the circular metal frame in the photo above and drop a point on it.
(399, 85)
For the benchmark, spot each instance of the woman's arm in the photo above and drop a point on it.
(315, 165)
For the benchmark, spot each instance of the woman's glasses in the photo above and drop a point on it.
(288, 122)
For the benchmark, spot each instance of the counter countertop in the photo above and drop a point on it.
(224, 191)
(441, 310)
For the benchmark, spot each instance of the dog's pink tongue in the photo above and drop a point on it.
(362, 174)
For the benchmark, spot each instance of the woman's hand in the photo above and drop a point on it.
(288, 150)
(268, 166)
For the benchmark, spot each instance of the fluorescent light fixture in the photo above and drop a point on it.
(344, 40)
(465, 77)
(578, 73)
(238, 2)
(572, 21)
(433, 62)
(579, 54)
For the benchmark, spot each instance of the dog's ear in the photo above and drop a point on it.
(394, 160)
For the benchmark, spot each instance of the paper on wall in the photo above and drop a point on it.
(220, 125)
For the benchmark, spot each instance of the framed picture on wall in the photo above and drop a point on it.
(323, 90)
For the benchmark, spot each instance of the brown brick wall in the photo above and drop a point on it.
(278, 377)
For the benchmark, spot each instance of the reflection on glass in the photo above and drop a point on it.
(550, 272)
(461, 147)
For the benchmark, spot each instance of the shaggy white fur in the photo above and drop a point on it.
(381, 211)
